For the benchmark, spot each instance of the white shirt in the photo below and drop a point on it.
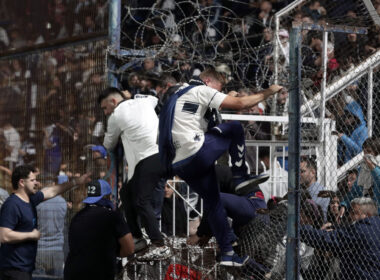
(189, 124)
(276, 185)
(137, 123)
(12, 138)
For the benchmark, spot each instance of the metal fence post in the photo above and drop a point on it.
(114, 38)
(292, 244)
(114, 42)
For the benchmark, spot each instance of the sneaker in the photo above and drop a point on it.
(155, 253)
(140, 244)
(246, 184)
(233, 260)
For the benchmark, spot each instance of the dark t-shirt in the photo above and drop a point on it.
(20, 216)
(93, 243)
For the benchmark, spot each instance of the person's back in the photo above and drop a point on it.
(189, 124)
(93, 244)
(138, 124)
(50, 256)
(51, 215)
(360, 258)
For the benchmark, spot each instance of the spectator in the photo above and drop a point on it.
(311, 214)
(3, 196)
(50, 255)
(167, 213)
(314, 10)
(354, 132)
(359, 241)
(12, 144)
(368, 182)
(308, 180)
(5, 173)
(97, 235)
(52, 146)
(99, 159)
(18, 222)
(334, 214)
(133, 83)
(277, 185)
(4, 40)
(347, 184)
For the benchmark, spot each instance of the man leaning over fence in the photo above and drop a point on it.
(357, 245)
(136, 123)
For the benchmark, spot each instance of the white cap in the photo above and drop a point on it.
(283, 33)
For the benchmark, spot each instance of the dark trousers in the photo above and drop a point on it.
(14, 274)
(199, 172)
(137, 197)
(241, 209)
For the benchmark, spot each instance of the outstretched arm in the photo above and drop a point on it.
(6, 170)
(238, 103)
(52, 191)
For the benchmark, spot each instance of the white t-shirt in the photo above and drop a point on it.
(137, 123)
(12, 138)
(189, 124)
(276, 185)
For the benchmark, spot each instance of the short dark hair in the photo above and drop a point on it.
(353, 171)
(21, 172)
(109, 91)
(372, 144)
(264, 152)
(310, 163)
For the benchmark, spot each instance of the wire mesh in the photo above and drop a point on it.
(181, 38)
(49, 119)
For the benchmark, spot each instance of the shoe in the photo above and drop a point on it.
(155, 253)
(140, 244)
(246, 184)
(235, 245)
(233, 260)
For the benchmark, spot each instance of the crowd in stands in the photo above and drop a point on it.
(29, 23)
(50, 118)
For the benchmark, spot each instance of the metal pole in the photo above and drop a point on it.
(276, 47)
(114, 43)
(370, 102)
(292, 244)
(114, 38)
(275, 61)
(323, 87)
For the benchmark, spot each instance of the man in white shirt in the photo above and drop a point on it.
(136, 122)
(198, 146)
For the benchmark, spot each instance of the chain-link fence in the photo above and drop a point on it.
(169, 42)
(50, 119)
